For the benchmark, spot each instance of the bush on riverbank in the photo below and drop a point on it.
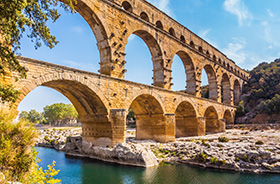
(18, 162)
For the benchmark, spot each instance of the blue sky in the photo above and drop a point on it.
(246, 31)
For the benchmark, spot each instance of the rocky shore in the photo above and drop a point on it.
(237, 150)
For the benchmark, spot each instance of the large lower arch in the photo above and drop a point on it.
(189, 71)
(186, 121)
(228, 117)
(213, 124)
(151, 122)
(236, 92)
(225, 89)
(212, 80)
(89, 103)
(156, 53)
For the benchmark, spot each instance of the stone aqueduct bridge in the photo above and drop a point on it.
(102, 103)
(102, 100)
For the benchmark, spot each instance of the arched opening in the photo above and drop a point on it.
(144, 16)
(236, 92)
(182, 38)
(192, 44)
(207, 53)
(214, 58)
(172, 32)
(150, 119)
(159, 25)
(213, 125)
(200, 49)
(79, 26)
(228, 118)
(186, 120)
(127, 6)
(92, 112)
(212, 83)
(225, 89)
(138, 63)
(183, 72)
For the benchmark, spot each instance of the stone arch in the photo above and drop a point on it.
(159, 25)
(189, 70)
(212, 80)
(172, 32)
(149, 115)
(127, 6)
(100, 31)
(182, 38)
(186, 120)
(228, 117)
(214, 58)
(144, 16)
(213, 124)
(89, 102)
(236, 92)
(226, 89)
(156, 53)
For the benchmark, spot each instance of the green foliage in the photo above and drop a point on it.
(241, 109)
(223, 139)
(202, 157)
(130, 114)
(32, 116)
(214, 160)
(17, 17)
(8, 93)
(59, 111)
(270, 106)
(17, 159)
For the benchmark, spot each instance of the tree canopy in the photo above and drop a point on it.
(16, 18)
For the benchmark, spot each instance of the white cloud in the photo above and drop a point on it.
(79, 65)
(268, 35)
(235, 51)
(269, 12)
(163, 5)
(203, 33)
(77, 29)
(238, 8)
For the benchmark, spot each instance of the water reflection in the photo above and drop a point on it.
(86, 171)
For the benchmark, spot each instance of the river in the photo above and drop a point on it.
(86, 171)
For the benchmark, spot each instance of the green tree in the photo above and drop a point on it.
(59, 111)
(17, 17)
(32, 116)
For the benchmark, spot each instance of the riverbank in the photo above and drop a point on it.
(246, 151)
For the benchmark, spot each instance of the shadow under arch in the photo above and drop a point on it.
(89, 103)
(150, 118)
(236, 92)
(186, 120)
(225, 89)
(212, 80)
(156, 53)
(229, 119)
(189, 71)
(212, 122)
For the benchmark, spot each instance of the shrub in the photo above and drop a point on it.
(259, 143)
(201, 157)
(223, 139)
(214, 160)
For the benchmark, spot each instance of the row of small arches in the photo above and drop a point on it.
(127, 6)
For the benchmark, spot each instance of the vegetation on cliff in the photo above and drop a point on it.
(261, 93)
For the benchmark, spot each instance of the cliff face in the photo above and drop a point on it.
(261, 95)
